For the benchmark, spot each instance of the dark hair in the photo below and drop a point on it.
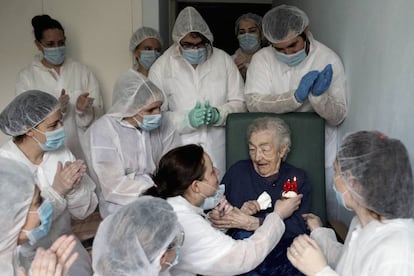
(177, 170)
(42, 23)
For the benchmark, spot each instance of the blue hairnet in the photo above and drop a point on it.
(129, 241)
(189, 21)
(26, 111)
(283, 23)
(141, 34)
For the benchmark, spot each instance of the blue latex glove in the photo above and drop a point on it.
(323, 81)
(305, 85)
(197, 115)
(212, 114)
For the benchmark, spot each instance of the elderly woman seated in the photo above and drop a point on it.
(254, 185)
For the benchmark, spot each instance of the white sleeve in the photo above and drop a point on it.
(331, 248)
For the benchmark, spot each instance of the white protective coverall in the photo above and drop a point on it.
(208, 251)
(79, 203)
(217, 80)
(123, 157)
(379, 248)
(76, 79)
(17, 188)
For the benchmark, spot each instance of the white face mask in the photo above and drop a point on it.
(212, 201)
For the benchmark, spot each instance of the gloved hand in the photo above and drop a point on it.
(305, 85)
(197, 115)
(212, 114)
(323, 81)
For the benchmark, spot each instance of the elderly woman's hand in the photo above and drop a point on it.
(250, 207)
(285, 207)
(84, 102)
(305, 254)
(234, 219)
(68, 176)
(313, 221)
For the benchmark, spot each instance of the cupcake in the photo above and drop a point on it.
(290, 188)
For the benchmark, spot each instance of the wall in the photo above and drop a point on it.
(97, 32)
(373, 38)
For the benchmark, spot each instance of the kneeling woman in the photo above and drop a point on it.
(186, 177)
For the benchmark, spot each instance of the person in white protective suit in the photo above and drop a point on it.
(34, 120)
(187, 179)
(296, 73)
(72, 83)
(126, 143)
(201, 83)
(142, 238)
(22, 214)
(373, 178)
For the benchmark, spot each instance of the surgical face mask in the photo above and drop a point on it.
(177, 256)
(212, 201)
(54, 139)
(149, 122)
(195, 56)
(45, 212)
(340, 198)
(55, 55)
(249, 43)
(148, 57)
(293, 59)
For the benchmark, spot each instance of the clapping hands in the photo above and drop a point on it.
(206, 115)
(314, 82)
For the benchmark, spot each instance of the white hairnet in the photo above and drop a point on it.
(16, 192)
(189, 21)
(26, 111)
(141, 34)
(382, 170)
(284, 22)
(129, 241)
(257, 19)
(132, 92)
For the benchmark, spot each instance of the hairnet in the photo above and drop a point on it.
(141, 34)
(283, 23)
(16, 194)
(26, 111)
(382, 170)
(132, 92)
(128, 242)
(188, 21)
(257, 19)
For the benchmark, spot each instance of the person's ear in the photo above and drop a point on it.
(29, 133)
(39, 46)
(283, 150)
(163, 260)
(195, 186)
(137, 53)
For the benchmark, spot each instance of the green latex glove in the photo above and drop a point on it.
(212, 114)
(197, 115)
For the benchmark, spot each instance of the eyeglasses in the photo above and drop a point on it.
(178, 241)
(189, 45)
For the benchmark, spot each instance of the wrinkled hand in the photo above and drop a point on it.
(68, 176)
(313, 221)
(235, 219)
(212, 114)
(84, 102)
(305, 254)
(55, 261)
(250, 207)
(285, 207)
(305, 86)
(323, 81)
(197, 115)
(63, 101)
(223, 208)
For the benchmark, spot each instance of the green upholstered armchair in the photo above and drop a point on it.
(307, 151)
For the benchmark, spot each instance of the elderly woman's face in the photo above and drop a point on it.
(265, 153)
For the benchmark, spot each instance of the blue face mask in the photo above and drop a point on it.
(148, 57)
(54, 139)
(45, 212)
(195, 56)
(340, 198)
(249, 43)
(212, 201)
(293, 59)
(150, 122)
(55, 55)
